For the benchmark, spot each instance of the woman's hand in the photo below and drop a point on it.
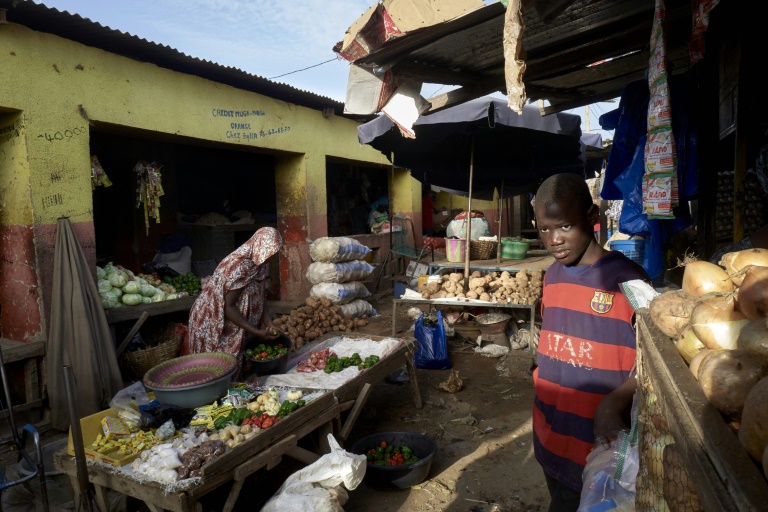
(268, 333)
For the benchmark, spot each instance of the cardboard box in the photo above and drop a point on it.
(90, 426)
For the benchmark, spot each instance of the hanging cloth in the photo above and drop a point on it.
(78, 335)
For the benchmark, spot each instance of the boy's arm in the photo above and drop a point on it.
(609, 416)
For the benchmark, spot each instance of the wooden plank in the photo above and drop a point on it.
(725, 476)
(132, 333)
(155, 308)
(300, 454)
(355, 412)
(19, 350)
(32, 390)
(262, 459)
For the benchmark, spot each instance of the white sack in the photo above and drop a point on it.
(320, 487)
(340, 248)
(340, 293)
(322, 272)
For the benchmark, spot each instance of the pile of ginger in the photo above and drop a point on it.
(522, 288)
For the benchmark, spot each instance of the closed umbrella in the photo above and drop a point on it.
(79, 334)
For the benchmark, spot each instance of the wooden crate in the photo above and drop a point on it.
(721, 473)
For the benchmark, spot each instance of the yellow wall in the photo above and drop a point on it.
(57, 92)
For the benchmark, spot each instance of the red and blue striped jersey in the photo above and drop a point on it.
(586, 350)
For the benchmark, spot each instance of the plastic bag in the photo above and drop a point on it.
(340, 293)
(127, 402)
(320, 487)
(321, 272)
(610, 474)
(432, 349)
(157, 415)
(340, 248)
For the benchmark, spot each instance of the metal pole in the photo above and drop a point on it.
(469, 214)
(501, 219)
(77, 440)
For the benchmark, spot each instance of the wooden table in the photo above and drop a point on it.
(235, 465)
(531, 308)
(542, 262)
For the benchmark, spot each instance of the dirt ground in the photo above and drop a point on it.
(484, 461)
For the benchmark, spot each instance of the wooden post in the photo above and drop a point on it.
(468, 218)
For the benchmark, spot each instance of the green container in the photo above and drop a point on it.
(514, 248)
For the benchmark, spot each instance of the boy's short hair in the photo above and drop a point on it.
(564, 188)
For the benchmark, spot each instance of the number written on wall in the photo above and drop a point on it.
(52, 200)
(67, 134)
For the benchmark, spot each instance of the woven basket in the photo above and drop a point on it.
(142, 360)
(482, 249)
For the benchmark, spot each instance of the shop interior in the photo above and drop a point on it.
(352, 190)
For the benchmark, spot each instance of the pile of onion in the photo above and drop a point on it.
(753, 293)
(701, 277)
(736, 263)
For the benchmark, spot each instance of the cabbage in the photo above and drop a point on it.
(109, 300)
(117, 279)
(140, 281)
(131, 299)
(131, 287)
(100, 274)
(147, 290)
(159, 296)
(146, 300)
(117, 291)
(104, 286)
(109, 268)
(171, 296)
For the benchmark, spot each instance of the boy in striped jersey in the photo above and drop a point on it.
(584, 382)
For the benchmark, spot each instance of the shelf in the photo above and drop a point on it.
(155, 308)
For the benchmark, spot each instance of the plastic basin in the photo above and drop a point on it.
(401, 477)
(195, 396)
(273, 366)
(513, 248)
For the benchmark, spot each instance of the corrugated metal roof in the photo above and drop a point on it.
(468, 51)
(90, 33)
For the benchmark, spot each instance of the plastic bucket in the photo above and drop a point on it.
(632, 249)
(513, 248)
(273, 366)
(454, 249)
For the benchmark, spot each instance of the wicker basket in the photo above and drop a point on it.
(482, 249)
(142, 360)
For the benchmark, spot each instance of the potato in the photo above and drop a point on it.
(727, 377)
(753, 433)
(671, 311)
(485, 297)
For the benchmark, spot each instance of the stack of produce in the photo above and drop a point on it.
(524, 288)
(338, 272)
(120, 287)
(719, 324)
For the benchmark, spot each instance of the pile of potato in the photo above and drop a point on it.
(522, 288)
(316, 318)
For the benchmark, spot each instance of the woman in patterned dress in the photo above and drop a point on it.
(232, 306)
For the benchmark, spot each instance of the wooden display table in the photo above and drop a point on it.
(235, 465)
(530, 263)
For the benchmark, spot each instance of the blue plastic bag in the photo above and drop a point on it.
(432, 349)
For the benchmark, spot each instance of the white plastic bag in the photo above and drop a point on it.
(320, 487)
(358, 307)
(322, 272)
(336, 249)
(458, 228)
(340, 293)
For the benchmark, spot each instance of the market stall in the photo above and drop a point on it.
(308, 401)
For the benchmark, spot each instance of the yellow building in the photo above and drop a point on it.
(71, 89)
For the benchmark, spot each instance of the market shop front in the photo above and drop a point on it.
(224, 142)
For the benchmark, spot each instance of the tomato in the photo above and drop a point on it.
(383, 444)
(264, 355)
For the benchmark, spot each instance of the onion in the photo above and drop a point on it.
(689, 345)
(700, 358)
(736, 263)
(671, 311)
(753, 293)
(716, 323)
(727, 376)
(754, 337)
(701, 277)
(753, 433)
